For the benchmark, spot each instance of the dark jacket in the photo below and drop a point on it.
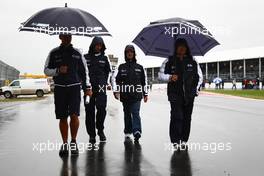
(131, 81)
(73, 59)
(188, 78)
(98, 65)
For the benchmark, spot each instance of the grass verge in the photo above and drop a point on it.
(255, 94)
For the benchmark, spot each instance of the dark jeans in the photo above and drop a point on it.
(180, 120)
(132, 117)
(92, 121)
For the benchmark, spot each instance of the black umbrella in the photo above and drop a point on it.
(64, 20)
(158, 38)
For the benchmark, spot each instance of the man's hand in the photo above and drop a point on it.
(145, 99)
(63, 69)
(89, 92)
(117, 95)
(173, 78)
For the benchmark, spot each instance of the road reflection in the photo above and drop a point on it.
(132, 159)
(73, 169)
(180, 164)
(95, 161)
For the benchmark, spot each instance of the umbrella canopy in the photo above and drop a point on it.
(217, 80)
(158, 38)
(64, 20)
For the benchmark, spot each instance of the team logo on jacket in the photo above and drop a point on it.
(189, 67)
(101, 61)
(137, 70)
(122, 70)
(57, 56)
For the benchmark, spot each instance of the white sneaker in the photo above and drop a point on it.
(128, 138)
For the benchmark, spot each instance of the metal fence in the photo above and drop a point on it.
(7, 73)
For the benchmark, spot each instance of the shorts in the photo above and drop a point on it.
(67, 101)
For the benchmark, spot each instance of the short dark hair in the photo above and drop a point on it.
(182, 42)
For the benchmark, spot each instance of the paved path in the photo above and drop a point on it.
(235, 125)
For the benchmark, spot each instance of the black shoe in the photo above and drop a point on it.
(102, 136)
(136, 137)
(176, 147)
(74, 148)
(127, 139)
(92, 140)
(184, 146)
(64, 150)
(180, 147)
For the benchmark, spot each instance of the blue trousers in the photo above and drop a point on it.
(132, 118)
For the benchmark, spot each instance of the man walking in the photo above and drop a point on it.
(69, 70)
(183, 76)
(99, 72)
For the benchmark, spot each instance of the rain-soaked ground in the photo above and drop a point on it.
(227, 139)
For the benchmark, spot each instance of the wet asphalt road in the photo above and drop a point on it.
(235, 125)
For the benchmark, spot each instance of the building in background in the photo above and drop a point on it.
(236, 64)
(7, 73)
(152, 67)
(113, 60)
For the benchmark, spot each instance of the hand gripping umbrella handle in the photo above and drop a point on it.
(87, 99)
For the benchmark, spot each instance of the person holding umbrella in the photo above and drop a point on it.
(180, 70)
(130, 86)
(68, 68)
(217, 82)
(65, 64)
(184, 78)
(99, 72)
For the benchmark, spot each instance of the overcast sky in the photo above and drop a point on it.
(235, 24)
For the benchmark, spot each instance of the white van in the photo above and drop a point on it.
(37, 87)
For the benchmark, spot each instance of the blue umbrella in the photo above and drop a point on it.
(158, 38)
(64, 20)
